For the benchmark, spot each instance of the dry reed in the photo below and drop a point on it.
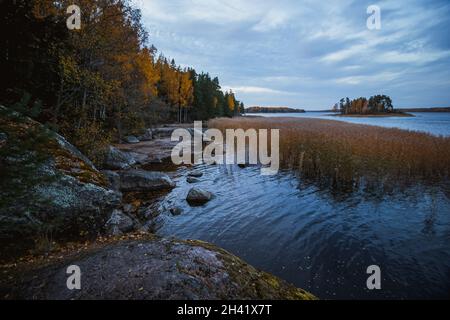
(346, 155)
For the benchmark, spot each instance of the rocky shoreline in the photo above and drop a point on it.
(83, 203)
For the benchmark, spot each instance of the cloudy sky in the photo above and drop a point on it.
(309, 53)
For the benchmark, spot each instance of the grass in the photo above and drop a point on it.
(348, 155)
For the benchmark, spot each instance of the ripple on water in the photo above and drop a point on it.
(316, 240)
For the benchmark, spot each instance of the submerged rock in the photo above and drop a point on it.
(158, 269)
(195, 174)
(176, 211)
(197, 196)
(131, 139)
(118, 160)
(192, 180)
(141, 180)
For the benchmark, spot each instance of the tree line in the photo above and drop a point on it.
(373, 105)
(102, 82)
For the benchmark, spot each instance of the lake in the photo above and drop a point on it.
(320, 241)
(437, 123)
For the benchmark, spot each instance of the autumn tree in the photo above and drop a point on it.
(97, 84)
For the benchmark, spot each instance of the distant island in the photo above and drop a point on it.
(375, 106)
(441, 109)
(257, 109)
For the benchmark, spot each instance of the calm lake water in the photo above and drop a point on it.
(321, 241)
(437, 123)
(318, 240)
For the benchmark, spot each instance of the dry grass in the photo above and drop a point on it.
(346, 155)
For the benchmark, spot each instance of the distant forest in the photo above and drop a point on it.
(273, 110)
(442, 109)
(101, 82)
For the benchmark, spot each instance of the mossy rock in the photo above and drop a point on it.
(156, 268)
(53, 190)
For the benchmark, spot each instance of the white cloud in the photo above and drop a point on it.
(417, 57)
(381, 77)
(286, 52)
(251, 89)
(272, 20)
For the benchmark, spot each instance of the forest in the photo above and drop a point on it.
(102, 82)
(258, 109)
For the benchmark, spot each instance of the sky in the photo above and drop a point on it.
(307, 53)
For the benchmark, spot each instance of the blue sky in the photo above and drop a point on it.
(309, 53)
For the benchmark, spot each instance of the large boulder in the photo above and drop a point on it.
(118, 160)
(197, 196)
(61, 196)
(153, 269)
(141, 180)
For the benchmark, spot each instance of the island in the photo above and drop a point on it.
(375, 106)
(257, 109)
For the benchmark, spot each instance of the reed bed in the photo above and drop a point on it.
(349, 155)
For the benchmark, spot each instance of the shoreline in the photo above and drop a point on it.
(144, 161)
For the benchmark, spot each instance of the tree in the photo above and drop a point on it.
(101, 82)
(231, 103)
(186, 94)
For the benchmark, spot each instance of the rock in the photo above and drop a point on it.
(64, 206)
(163, 132)
(195, 173)
(140, 180)
(113, 179)
(147, 136)
(131, 139)
(119, 223)
(153, 269)
(197, 196)
(67, 197)
(176, 211)
(68, 147)
(192, 180)
(118, 160)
